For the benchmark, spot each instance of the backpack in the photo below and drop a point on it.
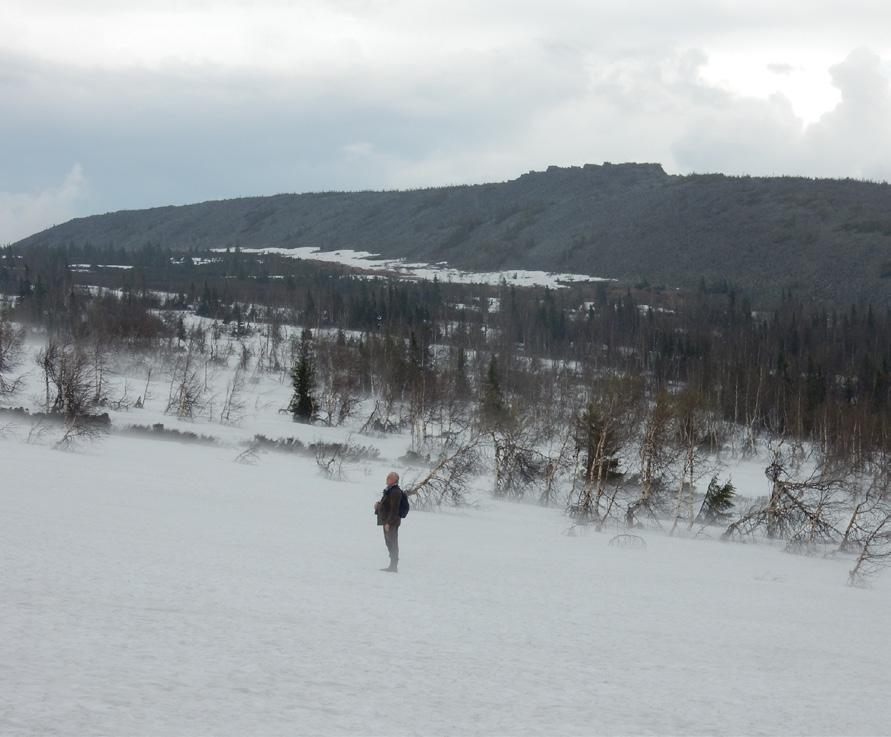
(404, 506)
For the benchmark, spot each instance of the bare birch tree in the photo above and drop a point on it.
(691, 431)
(806, 502)
(656, 454)
(185, 398)
(869, 528)
(68, 380)
(233, 403)
(11, 341)
(604, 427)
(446, 482)
(875, 554)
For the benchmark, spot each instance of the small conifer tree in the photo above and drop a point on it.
(303, 402)
(493, 409)
(718, 503)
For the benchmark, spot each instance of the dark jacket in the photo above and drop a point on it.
(388, 512)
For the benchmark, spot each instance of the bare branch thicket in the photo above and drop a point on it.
(233, 403)
(875, 554)
(629, 542)
(186, 396)
(550, 430)
(98, 352)
(71, 384)
(218, 351)
(244, 355)
(220, 344)
(145, 396)
(871, 506)
(384, 417)
(67, 378)
(692, 422)
(453, 425)
(281, 360)
(36, 432)
(330, 458)
(123, 401)
(79, 429)
(12, 339)
(561, 462)
(273, 337)
(263, 362)
(804, 506)
(559, 398)
(250, 456)
(519, 465)
(46, 359)
(869, 527)
(198, 336)
(603, 429)
(266, 349)
(423, 392)
(750, 444)
(656, 455)
(416, 417)
(450, 417)
(446, 482)
(338, 397)
(613, 507)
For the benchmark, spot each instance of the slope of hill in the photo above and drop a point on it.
(826, 239)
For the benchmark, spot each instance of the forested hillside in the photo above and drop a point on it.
(828, 240)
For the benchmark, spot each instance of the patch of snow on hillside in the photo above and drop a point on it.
(85, 268)
(429, 272)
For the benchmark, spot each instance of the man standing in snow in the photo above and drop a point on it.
(387, 511)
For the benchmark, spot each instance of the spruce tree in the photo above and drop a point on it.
(461, 384)
(718, 502)
(303, 403)
(493, 411)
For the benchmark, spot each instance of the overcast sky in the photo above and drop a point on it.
(113, 104)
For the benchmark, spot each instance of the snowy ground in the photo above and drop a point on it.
(153, 588)
(373, 262)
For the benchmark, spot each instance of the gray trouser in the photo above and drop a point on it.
(392, 540)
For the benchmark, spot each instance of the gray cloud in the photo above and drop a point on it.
(780, 68)
(516, 96)
(23, 213)
(855, 137)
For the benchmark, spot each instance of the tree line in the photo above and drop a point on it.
(811, 372)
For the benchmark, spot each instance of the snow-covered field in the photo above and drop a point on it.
(154, 588)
